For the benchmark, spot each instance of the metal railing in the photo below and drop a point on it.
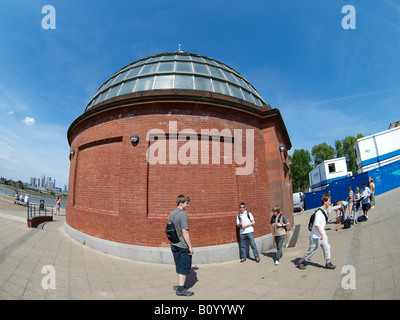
(38, 210)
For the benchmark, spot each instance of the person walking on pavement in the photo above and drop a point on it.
(182, 250)
(318, 236)
(350, 199)
(356, 205)
(278, 227)
(245, 221)
(372, 188)
(365, 202)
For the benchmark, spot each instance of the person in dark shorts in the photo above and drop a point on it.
(182, 250)
(365, 202)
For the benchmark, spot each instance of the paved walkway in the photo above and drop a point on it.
(371, 247)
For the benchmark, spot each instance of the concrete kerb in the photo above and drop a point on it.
(204, 255)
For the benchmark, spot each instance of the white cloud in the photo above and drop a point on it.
(29, 121)
(3, 157)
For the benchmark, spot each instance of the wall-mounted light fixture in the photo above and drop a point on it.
(134, 138)
(282, 147)
(71, 153)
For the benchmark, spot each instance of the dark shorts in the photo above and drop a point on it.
(183, 261)
(366, 206)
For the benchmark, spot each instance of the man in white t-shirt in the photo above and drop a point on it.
(318, 236)
(365, 194)
(245, 221)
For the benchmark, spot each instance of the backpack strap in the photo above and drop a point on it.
(172, 218)
(248, 216)
(323, 212)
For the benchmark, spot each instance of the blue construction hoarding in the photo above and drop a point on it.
(385, 178)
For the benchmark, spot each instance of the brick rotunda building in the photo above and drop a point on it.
(170, 124)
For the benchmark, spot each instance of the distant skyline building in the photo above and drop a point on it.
(48, 183)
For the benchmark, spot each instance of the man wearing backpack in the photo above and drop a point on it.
(318, 236)
(245, 221)
(182, 250)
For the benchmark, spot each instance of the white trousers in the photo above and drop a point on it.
(314, 244)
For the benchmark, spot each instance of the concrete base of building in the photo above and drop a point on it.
(202, 255)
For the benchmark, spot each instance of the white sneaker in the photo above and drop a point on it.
(276, 262)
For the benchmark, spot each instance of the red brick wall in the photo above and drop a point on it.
(115, 194)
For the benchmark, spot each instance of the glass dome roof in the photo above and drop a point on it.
(177, 70)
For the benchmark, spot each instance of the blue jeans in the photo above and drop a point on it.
(279, 244)
(243, 242)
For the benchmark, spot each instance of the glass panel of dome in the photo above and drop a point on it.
(203, 84)
(183, 82)
(95, 100)
(198, 59)
(144, 84)
(166, 67)
(248, 96)
(121, 77)
(114, 91)
(103, 96)
(90, 105)
(133, 73)
(220, 87)
(183, 67)
(168, 58)
(104, 86)
(182, 57)
(201, 69)
(211, 62)
(154, 59)
(149, 69)
(164, 82)
(243, 83)
(109, 83)
(236, 92)
(216, 72)
(230, 77)
(258, 101)
(127, 87)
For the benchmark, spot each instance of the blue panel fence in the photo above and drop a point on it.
(385, 178)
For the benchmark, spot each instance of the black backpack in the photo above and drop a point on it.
(347, 223)
(170, 230)
(312, 218)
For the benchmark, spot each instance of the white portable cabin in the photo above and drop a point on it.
(327, 172)
(377, 149)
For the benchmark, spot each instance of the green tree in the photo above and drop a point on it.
(339, 149)
(322, 152)
(300, 167)
(348, 151)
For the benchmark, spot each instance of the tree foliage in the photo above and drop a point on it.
(346, 150)
(322, 152)
(301, 166)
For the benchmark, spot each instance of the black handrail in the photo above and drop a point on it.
(38, 210)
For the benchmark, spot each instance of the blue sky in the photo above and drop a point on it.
(327, 82)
